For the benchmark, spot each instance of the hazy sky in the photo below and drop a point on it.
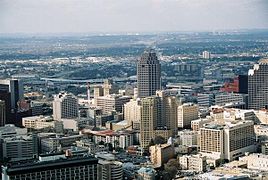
(54, 16)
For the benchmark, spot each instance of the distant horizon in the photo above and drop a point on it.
(114, 33)
(113, 16)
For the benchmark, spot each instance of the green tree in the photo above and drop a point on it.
(172, 167)
(159, 140)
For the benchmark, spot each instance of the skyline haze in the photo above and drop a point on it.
(87, 16)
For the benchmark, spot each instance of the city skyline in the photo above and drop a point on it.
(47, 16)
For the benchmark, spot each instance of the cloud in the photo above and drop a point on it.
(130, 15)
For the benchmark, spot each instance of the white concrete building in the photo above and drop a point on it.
(65, 106)
(111, 103)
(132, 113)
(256, 161)
(188, 138)
(193, 162)
(41, 122)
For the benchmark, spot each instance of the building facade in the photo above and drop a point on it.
(258, 86)
(161, 153)
(148, 74)
(65, 106)
(79, 168)
(2, 113)
(186, 113)
(112, 103)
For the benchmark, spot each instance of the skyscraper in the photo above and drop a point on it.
(65, 106)
(148, 74)
(258, 85)
(15, 87)
(2, 113)
(158, 118)
(151, 116)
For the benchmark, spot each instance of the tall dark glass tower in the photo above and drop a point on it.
(148, 74)
(258, 85)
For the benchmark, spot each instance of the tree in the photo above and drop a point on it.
(159, 140)
(172, 167)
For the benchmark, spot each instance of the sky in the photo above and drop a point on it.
(85, 16)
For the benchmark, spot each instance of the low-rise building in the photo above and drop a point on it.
(108, 168)
(256, 161)
(91, 146)
(161, 153)
(81, 167)
(193, 162)
(188, 138)
(18, 148)
(42, 122)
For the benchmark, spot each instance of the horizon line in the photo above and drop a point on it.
(111, 33)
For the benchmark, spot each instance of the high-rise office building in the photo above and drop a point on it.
(158, 117)
(212, 140)
(112, 103)
(15, 87)
(239, 138)
(132, 113)
(151, 116)
(65, 106)
(2, 113)
(258, 85)
(229, 140)
(148, 74)
(5, 97)
(169, 111)
(186, 113)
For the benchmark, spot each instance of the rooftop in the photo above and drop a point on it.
(263, 61)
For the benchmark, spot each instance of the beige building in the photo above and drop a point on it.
(188, 138)
(98, 91)
(105, 89)
(169, 111)
(193, 162)
(256, 161)
(228, 141)
(41, 122)
(161, 153)
(261, 116)
(197, 124)
(112, 103)
(212, 140)
(239, 138)
(132, 113)
(150, 117)
(261, 132)
(187, 113)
